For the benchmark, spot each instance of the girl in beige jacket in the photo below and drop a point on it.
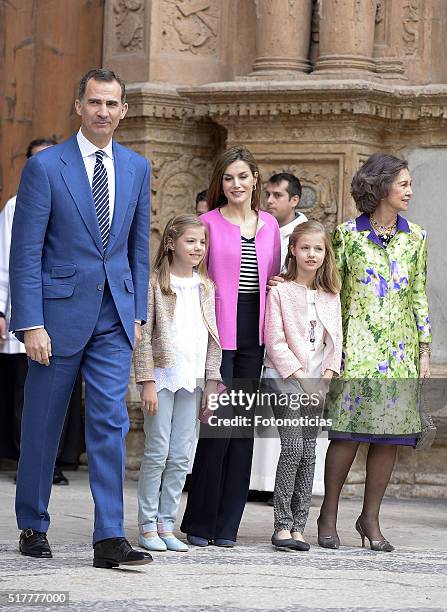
(177, 363)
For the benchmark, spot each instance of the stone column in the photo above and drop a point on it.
(346, 37)
(282, 37)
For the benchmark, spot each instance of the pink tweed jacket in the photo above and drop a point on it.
(286, 330)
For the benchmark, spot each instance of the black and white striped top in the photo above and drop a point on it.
(248, 278)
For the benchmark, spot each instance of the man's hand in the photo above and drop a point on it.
(149, 399)
(2, 330)
(138, 335)
(38, 345)
(275, 280)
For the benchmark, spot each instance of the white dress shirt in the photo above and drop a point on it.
(284, 233)
(11, 344)
(88, 153)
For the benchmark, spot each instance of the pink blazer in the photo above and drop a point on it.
(224, 264)
(286, 333)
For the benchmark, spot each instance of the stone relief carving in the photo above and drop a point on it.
(380, 23)
(380, 11)
(174, 183)
(129, 25)
(410, 24)
(320, 183)
(190, 26)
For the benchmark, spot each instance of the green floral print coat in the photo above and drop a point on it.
(385, 316)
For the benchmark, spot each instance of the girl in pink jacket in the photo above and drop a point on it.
(303, 342)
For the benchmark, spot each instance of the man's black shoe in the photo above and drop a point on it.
(117, 551)
(59, 477)
(34, 544)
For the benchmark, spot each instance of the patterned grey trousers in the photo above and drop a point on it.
(296, 466)
(294, 479)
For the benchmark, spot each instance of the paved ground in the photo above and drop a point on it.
(251, 576)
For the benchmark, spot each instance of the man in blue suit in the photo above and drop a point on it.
(79, 271)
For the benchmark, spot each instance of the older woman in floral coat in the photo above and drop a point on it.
(386, 334)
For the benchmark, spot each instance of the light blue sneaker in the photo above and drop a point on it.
(153, 543)
(173, 543)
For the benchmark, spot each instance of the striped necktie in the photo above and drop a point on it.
(100, 190)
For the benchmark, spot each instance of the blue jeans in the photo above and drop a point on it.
(167, 449)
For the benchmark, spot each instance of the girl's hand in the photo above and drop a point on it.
(298, 374)
(325, 382)
(149, 399)
(210, 389)
(305, 383)
(424, 365)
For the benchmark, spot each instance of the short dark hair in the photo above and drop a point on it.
(101, 74)
(202, 196)
(39, 142)
(293, 183)
(372, 182)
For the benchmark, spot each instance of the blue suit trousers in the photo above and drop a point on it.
(105, 365)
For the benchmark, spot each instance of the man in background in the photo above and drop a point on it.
(283, 193)
(201, 203)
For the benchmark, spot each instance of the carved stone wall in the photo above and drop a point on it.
(310, 87)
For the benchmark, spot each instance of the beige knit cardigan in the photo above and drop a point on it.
(156, 348)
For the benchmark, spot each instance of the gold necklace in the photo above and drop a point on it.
(383, 230)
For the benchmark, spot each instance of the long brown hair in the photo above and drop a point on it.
(175, 227)
(216, 197)
(327, 277)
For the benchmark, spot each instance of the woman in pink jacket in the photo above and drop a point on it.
(244, 252)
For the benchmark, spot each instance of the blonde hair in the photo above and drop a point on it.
(175, 227)
(326, 277)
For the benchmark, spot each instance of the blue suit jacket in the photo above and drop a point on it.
(58, 266)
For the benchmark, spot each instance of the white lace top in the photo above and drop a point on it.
(189, 336)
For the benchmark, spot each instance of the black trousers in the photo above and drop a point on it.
(222, 465)
(13, 371)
